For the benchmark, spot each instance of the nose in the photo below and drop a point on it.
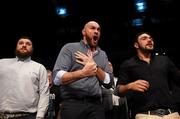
(96, 31)
(24, 45)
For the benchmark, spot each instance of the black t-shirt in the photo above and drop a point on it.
(158, 73)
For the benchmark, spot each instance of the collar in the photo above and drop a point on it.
(151, 58)
(23, 59)
(88, 47)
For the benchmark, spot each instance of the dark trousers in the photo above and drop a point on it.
(80, 109)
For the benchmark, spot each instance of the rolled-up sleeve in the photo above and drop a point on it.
(57, 79)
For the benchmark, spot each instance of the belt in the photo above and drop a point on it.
(159, 112)
(13, 115)
(87, 99)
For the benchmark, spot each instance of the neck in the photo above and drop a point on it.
(144, 56)
(91, 48)
(23, 58)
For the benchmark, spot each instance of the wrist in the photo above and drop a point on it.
(97, 68)
(129, 86)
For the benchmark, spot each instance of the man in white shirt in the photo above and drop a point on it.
(23, 84)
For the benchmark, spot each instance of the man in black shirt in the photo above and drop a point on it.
(144, 80)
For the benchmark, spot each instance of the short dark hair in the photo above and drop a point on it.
(140, 33)
(25, 37)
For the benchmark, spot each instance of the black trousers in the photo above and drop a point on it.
(82, 109)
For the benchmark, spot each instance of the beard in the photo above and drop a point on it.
(92, 42)
(147, 51)
(23, 55)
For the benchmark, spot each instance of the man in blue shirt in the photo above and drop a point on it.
(80, 69)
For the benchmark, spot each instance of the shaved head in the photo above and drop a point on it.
(91, 34)
(91, 23)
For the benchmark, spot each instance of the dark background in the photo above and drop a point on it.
(49, 32)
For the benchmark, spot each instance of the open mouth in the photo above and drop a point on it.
(149, 44)
(95, 38)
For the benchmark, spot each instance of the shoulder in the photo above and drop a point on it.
(102, 52)
(129, 62)
(161, 57)
(37, 64)
(7, 60)
(72, 44)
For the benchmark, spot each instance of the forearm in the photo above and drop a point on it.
(123, 89)
(43, 104)
(70, 77)
(100, 74)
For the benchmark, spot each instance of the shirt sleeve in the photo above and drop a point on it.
(107, 78)
(57, 79)
(43, 93)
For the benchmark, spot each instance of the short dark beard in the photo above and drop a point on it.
(23, 56)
